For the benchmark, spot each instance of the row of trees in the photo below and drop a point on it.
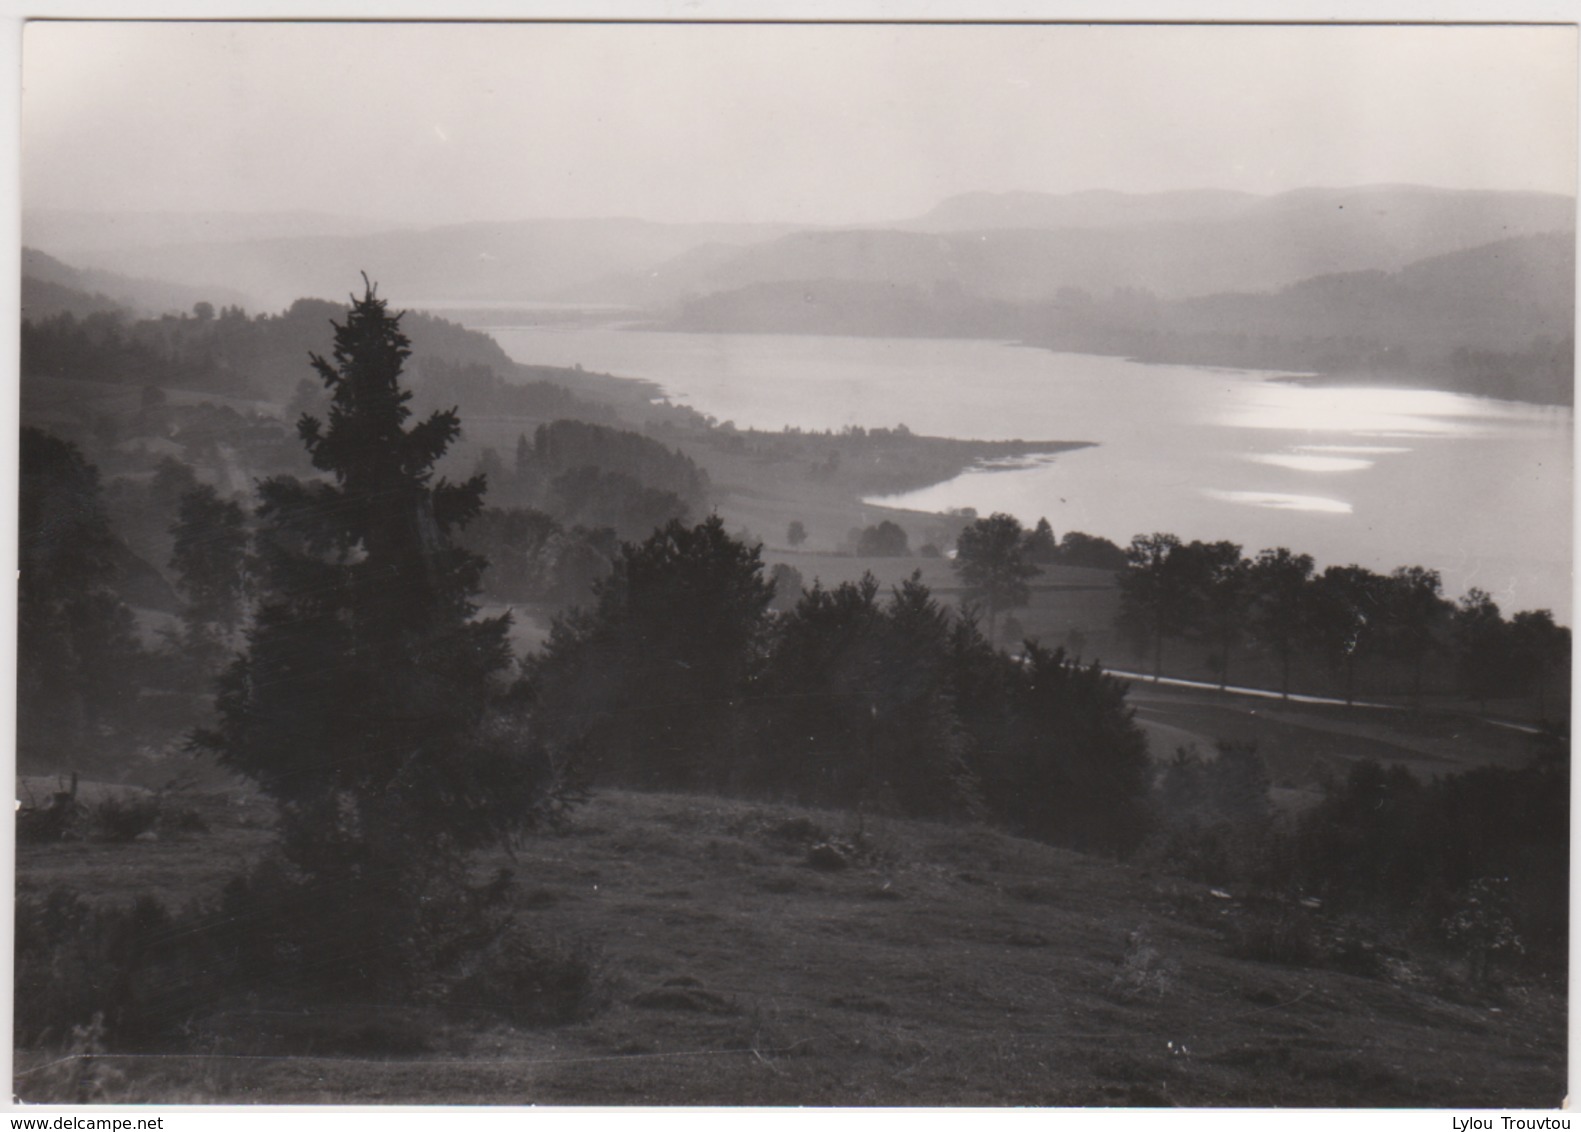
(1346, 617)
(681, 677)
(996, 560)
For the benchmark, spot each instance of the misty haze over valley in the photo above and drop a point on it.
(789, 542)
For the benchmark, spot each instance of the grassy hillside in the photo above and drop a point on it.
(943, 965)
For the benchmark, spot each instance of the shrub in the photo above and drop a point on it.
(529, 981)
(1382, 841)
(1144, 969)
(124, 969)
(1353, 952)
(181, 819)
(1060, 756)
(1283, 934)
(125, 819)
(78, 1076)
(646, 684)
(856, 707)
(1483, 926)
(886, 540)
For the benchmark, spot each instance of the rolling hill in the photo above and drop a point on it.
(50, 287)
(528, 261)
(1197, 248)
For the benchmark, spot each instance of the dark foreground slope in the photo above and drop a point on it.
(942, 965)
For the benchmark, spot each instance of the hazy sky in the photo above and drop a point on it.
(824, 123)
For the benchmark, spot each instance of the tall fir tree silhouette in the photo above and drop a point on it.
(367, 675)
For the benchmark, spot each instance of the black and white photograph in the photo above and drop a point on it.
(854, 563)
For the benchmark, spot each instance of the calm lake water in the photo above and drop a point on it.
(1477, 489)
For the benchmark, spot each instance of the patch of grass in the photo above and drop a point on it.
(353, 1030)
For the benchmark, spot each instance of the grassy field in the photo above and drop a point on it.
(945, 965)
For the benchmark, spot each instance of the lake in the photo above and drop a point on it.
(1477, 489)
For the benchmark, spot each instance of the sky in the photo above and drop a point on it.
(426, 123)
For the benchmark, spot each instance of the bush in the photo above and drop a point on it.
(856, 707)
(144, 976)
(646, 685)
(1384, 842)
(1283, 934)
(886, 540)
(181, 819)
(530, 982)
(1059, 755)
(126, 819)
(126, 970)
(42, 825)
(1483, 927)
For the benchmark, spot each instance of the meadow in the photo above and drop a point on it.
(937, 964)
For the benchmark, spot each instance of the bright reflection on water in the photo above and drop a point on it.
(1358, 449)
(1477, 489)
(1360, 411)
(1280, 502)
(1303, 463)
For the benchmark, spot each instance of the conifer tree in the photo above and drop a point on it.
(361, 704)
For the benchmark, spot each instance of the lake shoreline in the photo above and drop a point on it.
(830, 481)
(1378, 477)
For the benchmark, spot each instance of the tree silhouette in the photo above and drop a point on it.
(991, 562)
(360, 703)
(886, 540)
(1074, 767)
(1218, 574)
(787, 581)
(209, 557)
(857, 706)
(644, 684)
(1281, 607)
(1540, 651)
(1347, 619)
(1415, 612)
(1482, 646)
(1077, 548)
(1157, 593)
(1040, 545)
(76, 651)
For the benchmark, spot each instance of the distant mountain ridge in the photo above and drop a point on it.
(1108, 208)
(50, 287)
(1015, 247)
(1375, 279)
(1094, 208)
(1497, 320)
(532, 260)
(1260, 244)
(80, 234)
